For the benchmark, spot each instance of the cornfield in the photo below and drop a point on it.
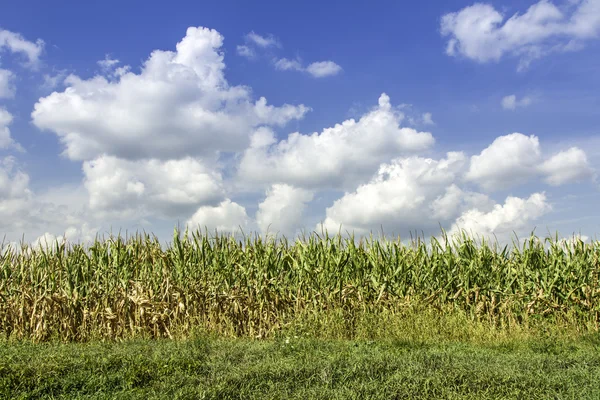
(123, 287)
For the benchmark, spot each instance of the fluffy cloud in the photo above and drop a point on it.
(84, 235)
(14, 190)
(178, 105)
(566, 167)
(225, 217)
(511, 102)
(514, 159)
(482, 33)
(343, 154)
(282, 209)
(510, 160)
(15, 43)
(514, 214)
(150, 187)
(24, 212)
(409, 193)
(6, 141)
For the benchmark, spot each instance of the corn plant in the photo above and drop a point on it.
(131, 286)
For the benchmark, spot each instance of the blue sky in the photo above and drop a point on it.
(93, 146)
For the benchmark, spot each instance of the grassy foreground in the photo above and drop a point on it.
(300, 368)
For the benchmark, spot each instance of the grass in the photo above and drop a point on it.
(301, 368)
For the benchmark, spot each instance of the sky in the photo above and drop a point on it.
(282, 118)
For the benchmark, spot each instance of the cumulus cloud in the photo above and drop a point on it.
(515, 214)
(14, 189)
(511, 103)
(180, 104)
(455, 199)
(567, 167)
(6, 141)
(47, 242)
(15, 43)
(483, 34)
(282, 209)
(84, 234)
(514, 159)
(408, 193)
(7, 88)
(413, 193)
(24, 212)
(346, 153)
(228, 216)
(150, 187)
(509, 161)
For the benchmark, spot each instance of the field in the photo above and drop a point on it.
(211, 368)
(458, 317)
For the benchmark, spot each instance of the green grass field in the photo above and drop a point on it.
(321, 317)
(301, 369)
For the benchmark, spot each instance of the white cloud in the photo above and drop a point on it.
(47, 242)
(24, 212)
(319, 69)
(283, 64)
(454, 199)
(567, 167)
(409, 193)
(228, 216)
(514, 159)
(150, 187)
(83, 234)
(509, 161)
(483, 34)
(245, 51)
(15, 43)
(515, 214)
(322, 69)
(511, 103)
(343, 154)
(428, 119)
(108, 63)
(262, 41)
(14, 188)
(6, 141)
(7, 88)
(282, 209)
(179, 105)
(52, 81)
